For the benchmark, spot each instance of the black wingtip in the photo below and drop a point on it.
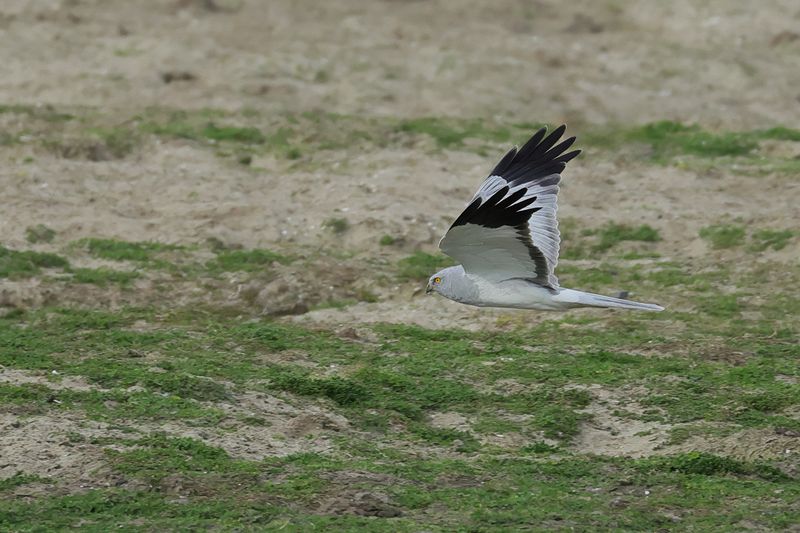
(542, 156)
(569, 156)
(504, 163)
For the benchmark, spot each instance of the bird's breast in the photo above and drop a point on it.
(515, 293)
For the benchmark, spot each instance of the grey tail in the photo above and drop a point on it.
(580, 299)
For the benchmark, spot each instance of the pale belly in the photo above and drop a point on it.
(514, 293)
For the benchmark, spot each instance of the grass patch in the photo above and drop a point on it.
(779, 133)
(387, 384)
(119, 404)
(723, 236)
(176, 125)
(612, 234)
(668, 139)
(103, 276)
(335, 304)
(489, 494)
(39, 233)
(540, 447)
(246, 260)
(421, 265)
(158, 456)
(19, 479)
(452, 133)
(708, 464)
(592, 242)
(255, 133)
(337, 225)
(668, 142)
(21, 264)
(342, 391)
(233, 134)
(767, 238)
(116, 250)
(462, 441)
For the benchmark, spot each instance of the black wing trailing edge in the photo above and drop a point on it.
(497, 210)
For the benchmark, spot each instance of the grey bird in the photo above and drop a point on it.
(507, 238)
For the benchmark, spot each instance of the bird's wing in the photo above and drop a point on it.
(509, 229)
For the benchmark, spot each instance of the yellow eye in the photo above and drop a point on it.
(437, 279)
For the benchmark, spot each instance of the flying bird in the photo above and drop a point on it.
(507, 238)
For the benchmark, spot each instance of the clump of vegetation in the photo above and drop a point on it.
(21, 478)
(767, 402)
(767, 238)
(387, 240)
(723, 306)
(116, 250)
(361, 295)
(39, 233)
(279, 141)
(322, 76)
(233, 134)
(95, 144)
(245, 260)
(365, 295)
(668, 138)
(612, 234)
(779, 133)
(703, 463)
(540, 447)
(156, 456)
(451, 133)
(709, 464)
(421, 265)
(334, 303)
(337, 224)
(103, 276)
(723, 235)
(186, 126)
(340, 390)
(14, 263)
(590, 242)
(466, 442)
(176, 126)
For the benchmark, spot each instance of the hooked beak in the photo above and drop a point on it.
(428, 289)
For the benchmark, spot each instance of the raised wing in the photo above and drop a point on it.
(509, 229)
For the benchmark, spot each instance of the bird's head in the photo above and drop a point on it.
(442, 281)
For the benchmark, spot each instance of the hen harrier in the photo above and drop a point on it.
(507, 238)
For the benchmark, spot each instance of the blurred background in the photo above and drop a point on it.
(721, 63)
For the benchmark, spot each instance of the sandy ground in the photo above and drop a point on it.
(711, 62)
(719, 63)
